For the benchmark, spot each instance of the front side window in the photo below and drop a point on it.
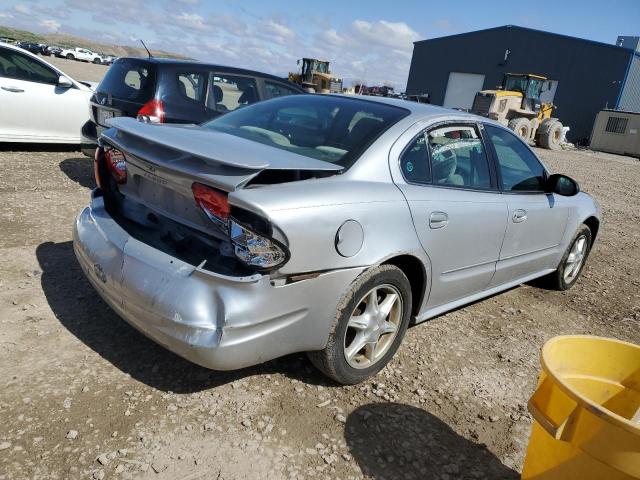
(230, 92)
(330, 128)
(520, 170)
(458, 158)
(278, 90)
(20, 67)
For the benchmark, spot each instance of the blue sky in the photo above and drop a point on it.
(370, 41)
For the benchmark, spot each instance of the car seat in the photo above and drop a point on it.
(363, 128)
(444, 164)
(218, 95)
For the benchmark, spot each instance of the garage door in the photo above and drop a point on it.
(462, 89)
(548, 95)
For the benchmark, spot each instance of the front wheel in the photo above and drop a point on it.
(370, 322)
(572, 263)
(69, 56)
(96, 60)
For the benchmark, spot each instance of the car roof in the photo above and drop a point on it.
(197, 63)
(419, 109)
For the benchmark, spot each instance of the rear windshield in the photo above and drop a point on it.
(330, 128)
(129, 79)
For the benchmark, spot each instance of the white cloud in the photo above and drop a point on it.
(21, 9)
(191, 20)
(51, 25)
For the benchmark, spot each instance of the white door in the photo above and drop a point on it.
(548, 95)
(34, 108)
(462, 89)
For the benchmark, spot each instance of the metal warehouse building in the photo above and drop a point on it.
(586, 76)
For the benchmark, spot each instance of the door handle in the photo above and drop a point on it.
(438, 219)
(13, 89)
(519, 216)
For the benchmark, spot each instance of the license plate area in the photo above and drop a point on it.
(104, 115)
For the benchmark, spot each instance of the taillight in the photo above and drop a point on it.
(213, 202)
(152, 112)
(255, 249)
(116, 164)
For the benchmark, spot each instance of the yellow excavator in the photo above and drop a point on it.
(315, 77)
(517, 105)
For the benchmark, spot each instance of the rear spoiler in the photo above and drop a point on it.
(226, 161)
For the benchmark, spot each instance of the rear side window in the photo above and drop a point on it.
(192, 86)
(230, 92)
(21, 67)
(278, 90)
(129, 79)
(458, 158)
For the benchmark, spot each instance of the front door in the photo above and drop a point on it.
(459, 215)
(33, 107)
(536, 220)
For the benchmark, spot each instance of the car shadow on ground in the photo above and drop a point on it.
(393, 440)
(80, 170)
(81, 311)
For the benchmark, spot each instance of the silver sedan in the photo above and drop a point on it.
(322, 224)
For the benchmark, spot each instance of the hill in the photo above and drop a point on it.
(66, 40)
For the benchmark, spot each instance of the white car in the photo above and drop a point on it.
(81, 54)
(38, 102)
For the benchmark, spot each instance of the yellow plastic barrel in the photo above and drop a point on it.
(586, 411)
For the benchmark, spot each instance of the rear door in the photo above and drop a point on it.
(459, 214)
(537, 220)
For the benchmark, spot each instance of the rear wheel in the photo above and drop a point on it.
(70, 56)
(370, 323)
(96, 60)
(522, 127)
(551, 136)
(572, 263)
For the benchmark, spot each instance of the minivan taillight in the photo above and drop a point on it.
(152, 112)
(214, 203)
(116, 164)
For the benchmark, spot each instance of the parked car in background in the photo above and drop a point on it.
(38, 102)
(30, 47)
(108, 59)
(320, 223)
(52, 50)
(81, 54)
(161, 90)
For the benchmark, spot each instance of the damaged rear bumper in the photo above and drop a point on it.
(214, 320)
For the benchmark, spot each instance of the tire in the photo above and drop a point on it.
(522, 127)
(382, 282)
(558, 280)
(70, 56)
(96, 60)
(551, 135)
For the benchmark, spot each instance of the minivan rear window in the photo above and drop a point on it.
(130, 79)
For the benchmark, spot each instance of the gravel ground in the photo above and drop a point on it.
(79, 70)
(83, 395)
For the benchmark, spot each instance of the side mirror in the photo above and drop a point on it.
(562, 185)
(64, 82)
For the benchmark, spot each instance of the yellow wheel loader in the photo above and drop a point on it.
(315, 77)
(517, 105)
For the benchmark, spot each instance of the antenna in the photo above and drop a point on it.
(145, 47)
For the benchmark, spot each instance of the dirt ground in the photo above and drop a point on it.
(78, 70)
(84, 395)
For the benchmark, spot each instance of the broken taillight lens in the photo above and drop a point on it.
(116, 164)
(256, 250)
(213, 202)
(97, 158)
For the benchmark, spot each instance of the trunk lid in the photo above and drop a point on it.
(164, 160)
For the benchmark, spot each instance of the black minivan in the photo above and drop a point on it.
(162, 90)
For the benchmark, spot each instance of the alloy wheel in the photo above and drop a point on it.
(575, 259)
(373, 326)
